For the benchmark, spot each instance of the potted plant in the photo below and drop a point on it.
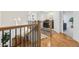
(5, 39)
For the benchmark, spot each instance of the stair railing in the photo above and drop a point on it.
(33, 36)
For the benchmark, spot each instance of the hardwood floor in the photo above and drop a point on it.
(59, 40)
(17, 42)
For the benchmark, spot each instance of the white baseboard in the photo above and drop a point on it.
(77, 40)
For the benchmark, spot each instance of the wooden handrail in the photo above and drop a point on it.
(32, 33)
(13, 27)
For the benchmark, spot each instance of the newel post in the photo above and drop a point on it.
(39, 34)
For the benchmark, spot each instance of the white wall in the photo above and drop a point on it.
(0, 17)
(0, 25)
(67, 16)
(76, 25)
(9, 16)
(43, 15)
(56, 18)
(55, 15)
(61, 21)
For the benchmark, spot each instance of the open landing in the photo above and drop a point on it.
(56, 40)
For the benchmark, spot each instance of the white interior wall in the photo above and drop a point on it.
(61, 21)
(10, 17)
(67, 17)
(76, 25)
(0, 25)
(32, 15)
(43, 15)
(0, 17)
(55, 15)
(56, 18)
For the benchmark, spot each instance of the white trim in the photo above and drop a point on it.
(77, 41)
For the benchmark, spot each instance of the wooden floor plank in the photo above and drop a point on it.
(59, 40)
